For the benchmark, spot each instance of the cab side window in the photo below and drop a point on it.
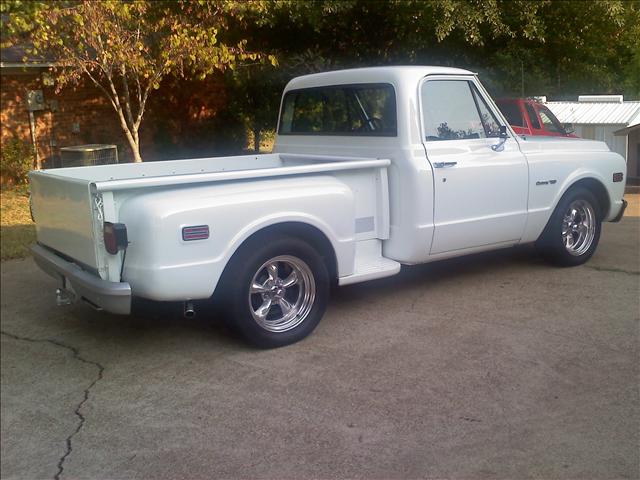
(533, 117)
(454, 110)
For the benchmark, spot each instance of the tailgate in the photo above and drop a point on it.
(63, 211)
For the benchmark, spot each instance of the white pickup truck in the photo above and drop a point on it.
(372, 169)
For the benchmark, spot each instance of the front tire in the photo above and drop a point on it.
(275, 291)
(573, 231)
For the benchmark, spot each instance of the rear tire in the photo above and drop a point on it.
(573, 231)
(274, 291)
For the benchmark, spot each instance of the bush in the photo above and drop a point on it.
(16, 161)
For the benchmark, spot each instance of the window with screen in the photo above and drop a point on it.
(533, 117)
(350, 110)
(454, 110)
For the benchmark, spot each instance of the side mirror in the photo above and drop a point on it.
(568, 128)
(498, 147)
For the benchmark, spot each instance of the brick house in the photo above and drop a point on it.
(183, 117)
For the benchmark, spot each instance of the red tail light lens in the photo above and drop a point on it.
(115, 237)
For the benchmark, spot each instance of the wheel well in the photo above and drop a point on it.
(599, 191)
(310, 234)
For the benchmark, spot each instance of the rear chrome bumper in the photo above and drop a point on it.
(618, 217)
(114, 297)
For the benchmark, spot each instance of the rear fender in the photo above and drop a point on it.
(160, 265)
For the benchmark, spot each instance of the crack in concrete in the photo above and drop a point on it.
(77, 412)
(612, 270)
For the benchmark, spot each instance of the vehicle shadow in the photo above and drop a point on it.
(411, 276)
(147, 314)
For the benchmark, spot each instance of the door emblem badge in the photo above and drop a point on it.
(546, 182)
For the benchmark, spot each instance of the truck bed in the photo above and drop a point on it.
(71, 204)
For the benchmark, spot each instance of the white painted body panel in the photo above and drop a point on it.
(63, 209)
(377, 200)
(567, 160)
(159, 261)
(344, 198)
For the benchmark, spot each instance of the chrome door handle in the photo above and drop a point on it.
(444, 164)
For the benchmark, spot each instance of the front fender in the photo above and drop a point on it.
(550, 179)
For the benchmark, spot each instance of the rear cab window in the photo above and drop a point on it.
(347, 110)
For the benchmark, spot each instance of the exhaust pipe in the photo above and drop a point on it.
(189, 311)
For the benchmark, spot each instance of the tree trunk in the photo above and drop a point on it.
(134, 145)
(136, 154)
(256, 140)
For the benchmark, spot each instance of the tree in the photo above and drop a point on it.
(564, 47)
(255, 90)
(127, 48)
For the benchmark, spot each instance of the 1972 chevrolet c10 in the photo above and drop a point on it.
(372, 168)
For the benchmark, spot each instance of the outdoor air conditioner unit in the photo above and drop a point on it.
(86, 155)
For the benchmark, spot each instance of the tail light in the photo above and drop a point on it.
(115, 237)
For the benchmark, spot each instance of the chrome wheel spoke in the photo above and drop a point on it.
(272, 271)
(263, 310)
(285, 306)
(568, 240)
(258, 288)
(291, 280)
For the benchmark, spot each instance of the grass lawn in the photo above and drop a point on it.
(17, 231)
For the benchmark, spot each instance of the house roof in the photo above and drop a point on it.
(599, 112)
(626, 131)
(17, 56)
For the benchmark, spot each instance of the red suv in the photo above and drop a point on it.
(529, 117)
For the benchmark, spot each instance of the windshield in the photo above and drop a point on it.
(551, 123)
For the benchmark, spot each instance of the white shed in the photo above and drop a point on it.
(600, 117)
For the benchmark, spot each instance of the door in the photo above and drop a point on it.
(480, 192)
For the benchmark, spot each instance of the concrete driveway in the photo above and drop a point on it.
(493, 366)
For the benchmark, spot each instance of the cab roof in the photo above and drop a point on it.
(395, 75)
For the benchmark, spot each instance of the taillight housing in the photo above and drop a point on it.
(115, 237)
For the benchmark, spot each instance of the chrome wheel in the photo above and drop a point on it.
(578, 227)
(282, 293)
